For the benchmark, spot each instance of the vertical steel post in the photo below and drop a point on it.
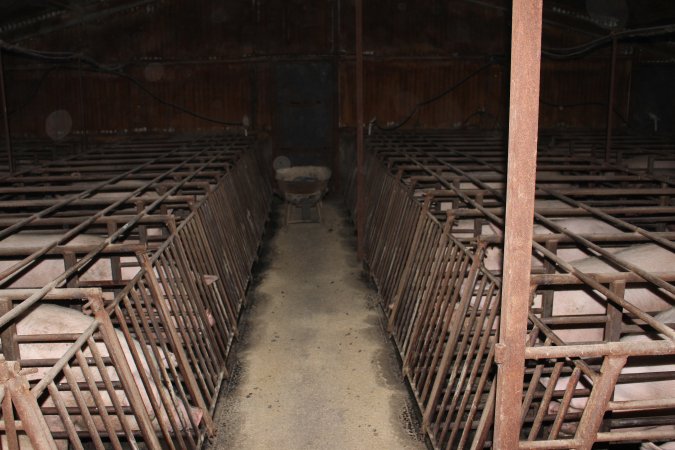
(175, 340)
(360, 171)
(17, 394)
(126, 377)
(5, 117)
(522, 162)
(81, 93)
(10, 348)
(603, 389)
(610, 100)
(83, 115)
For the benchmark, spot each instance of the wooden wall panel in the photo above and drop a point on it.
(393, 89)
(216, 58)
(220, 90)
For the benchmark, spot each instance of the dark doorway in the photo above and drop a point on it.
(652, 98)
(304, 118)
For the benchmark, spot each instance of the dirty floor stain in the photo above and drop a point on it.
(314, 370)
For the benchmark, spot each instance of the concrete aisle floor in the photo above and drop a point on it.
(315, 369)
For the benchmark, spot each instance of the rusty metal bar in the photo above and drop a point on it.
(38, 295)
(611, 296)
(183, 261)
(180, 352)
(420, 189)
(664, 403)
(610, 100)
(5, 119)
(5, 232)
(34, 424)
(415, 309)
(360, 170)
(80, 96)
(603, 388)
(108, 385)
(62, 410)
(523, 120)
(598, 350)
(125, 375)
(646, 435)
(587, 280)
(11, 424)
(10, 346)
(139, 324)
(603, 278)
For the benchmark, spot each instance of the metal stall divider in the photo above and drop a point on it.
(450, 364)
(177, 316)
(437, 295)
(97, 392)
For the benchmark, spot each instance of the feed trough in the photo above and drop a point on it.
(303, 187)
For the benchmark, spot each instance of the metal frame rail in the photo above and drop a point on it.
(431, 198)
(27, 153)
(158, 238)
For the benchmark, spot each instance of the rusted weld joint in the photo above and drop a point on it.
(8, 369)
(428, 197)
(11, 372)
(171, 224)
(481, 245)
(500, 353)
(450, 217)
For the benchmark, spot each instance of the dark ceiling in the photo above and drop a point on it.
(20, 19)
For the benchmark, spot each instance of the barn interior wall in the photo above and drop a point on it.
(217, 59)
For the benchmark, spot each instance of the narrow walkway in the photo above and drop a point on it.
(315, 370)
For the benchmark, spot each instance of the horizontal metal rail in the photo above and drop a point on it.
(423, 188)
(177, 225)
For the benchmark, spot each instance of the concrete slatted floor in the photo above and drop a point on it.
(314, 369)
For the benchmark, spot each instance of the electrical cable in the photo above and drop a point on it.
(162, 101)
(562, 53)
(582, 49)
(481, 113)
(581, 104)
(53, 57)
(35, 91)
(635, 131)
(434, 98)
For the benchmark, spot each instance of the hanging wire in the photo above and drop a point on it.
(587, 47)
(94, 66)
(433, 99)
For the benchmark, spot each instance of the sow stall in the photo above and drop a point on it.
(27, 153)
(435, 203)
(123, 274)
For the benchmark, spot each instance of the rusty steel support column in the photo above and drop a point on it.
(522, 158)
(83, 115)
(360, 170)
(5, 118)
(610, 100)
(126, 377)
(175, 340)
(603, 389)
(17, 393)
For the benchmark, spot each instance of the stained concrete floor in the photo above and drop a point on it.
(314, 368)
